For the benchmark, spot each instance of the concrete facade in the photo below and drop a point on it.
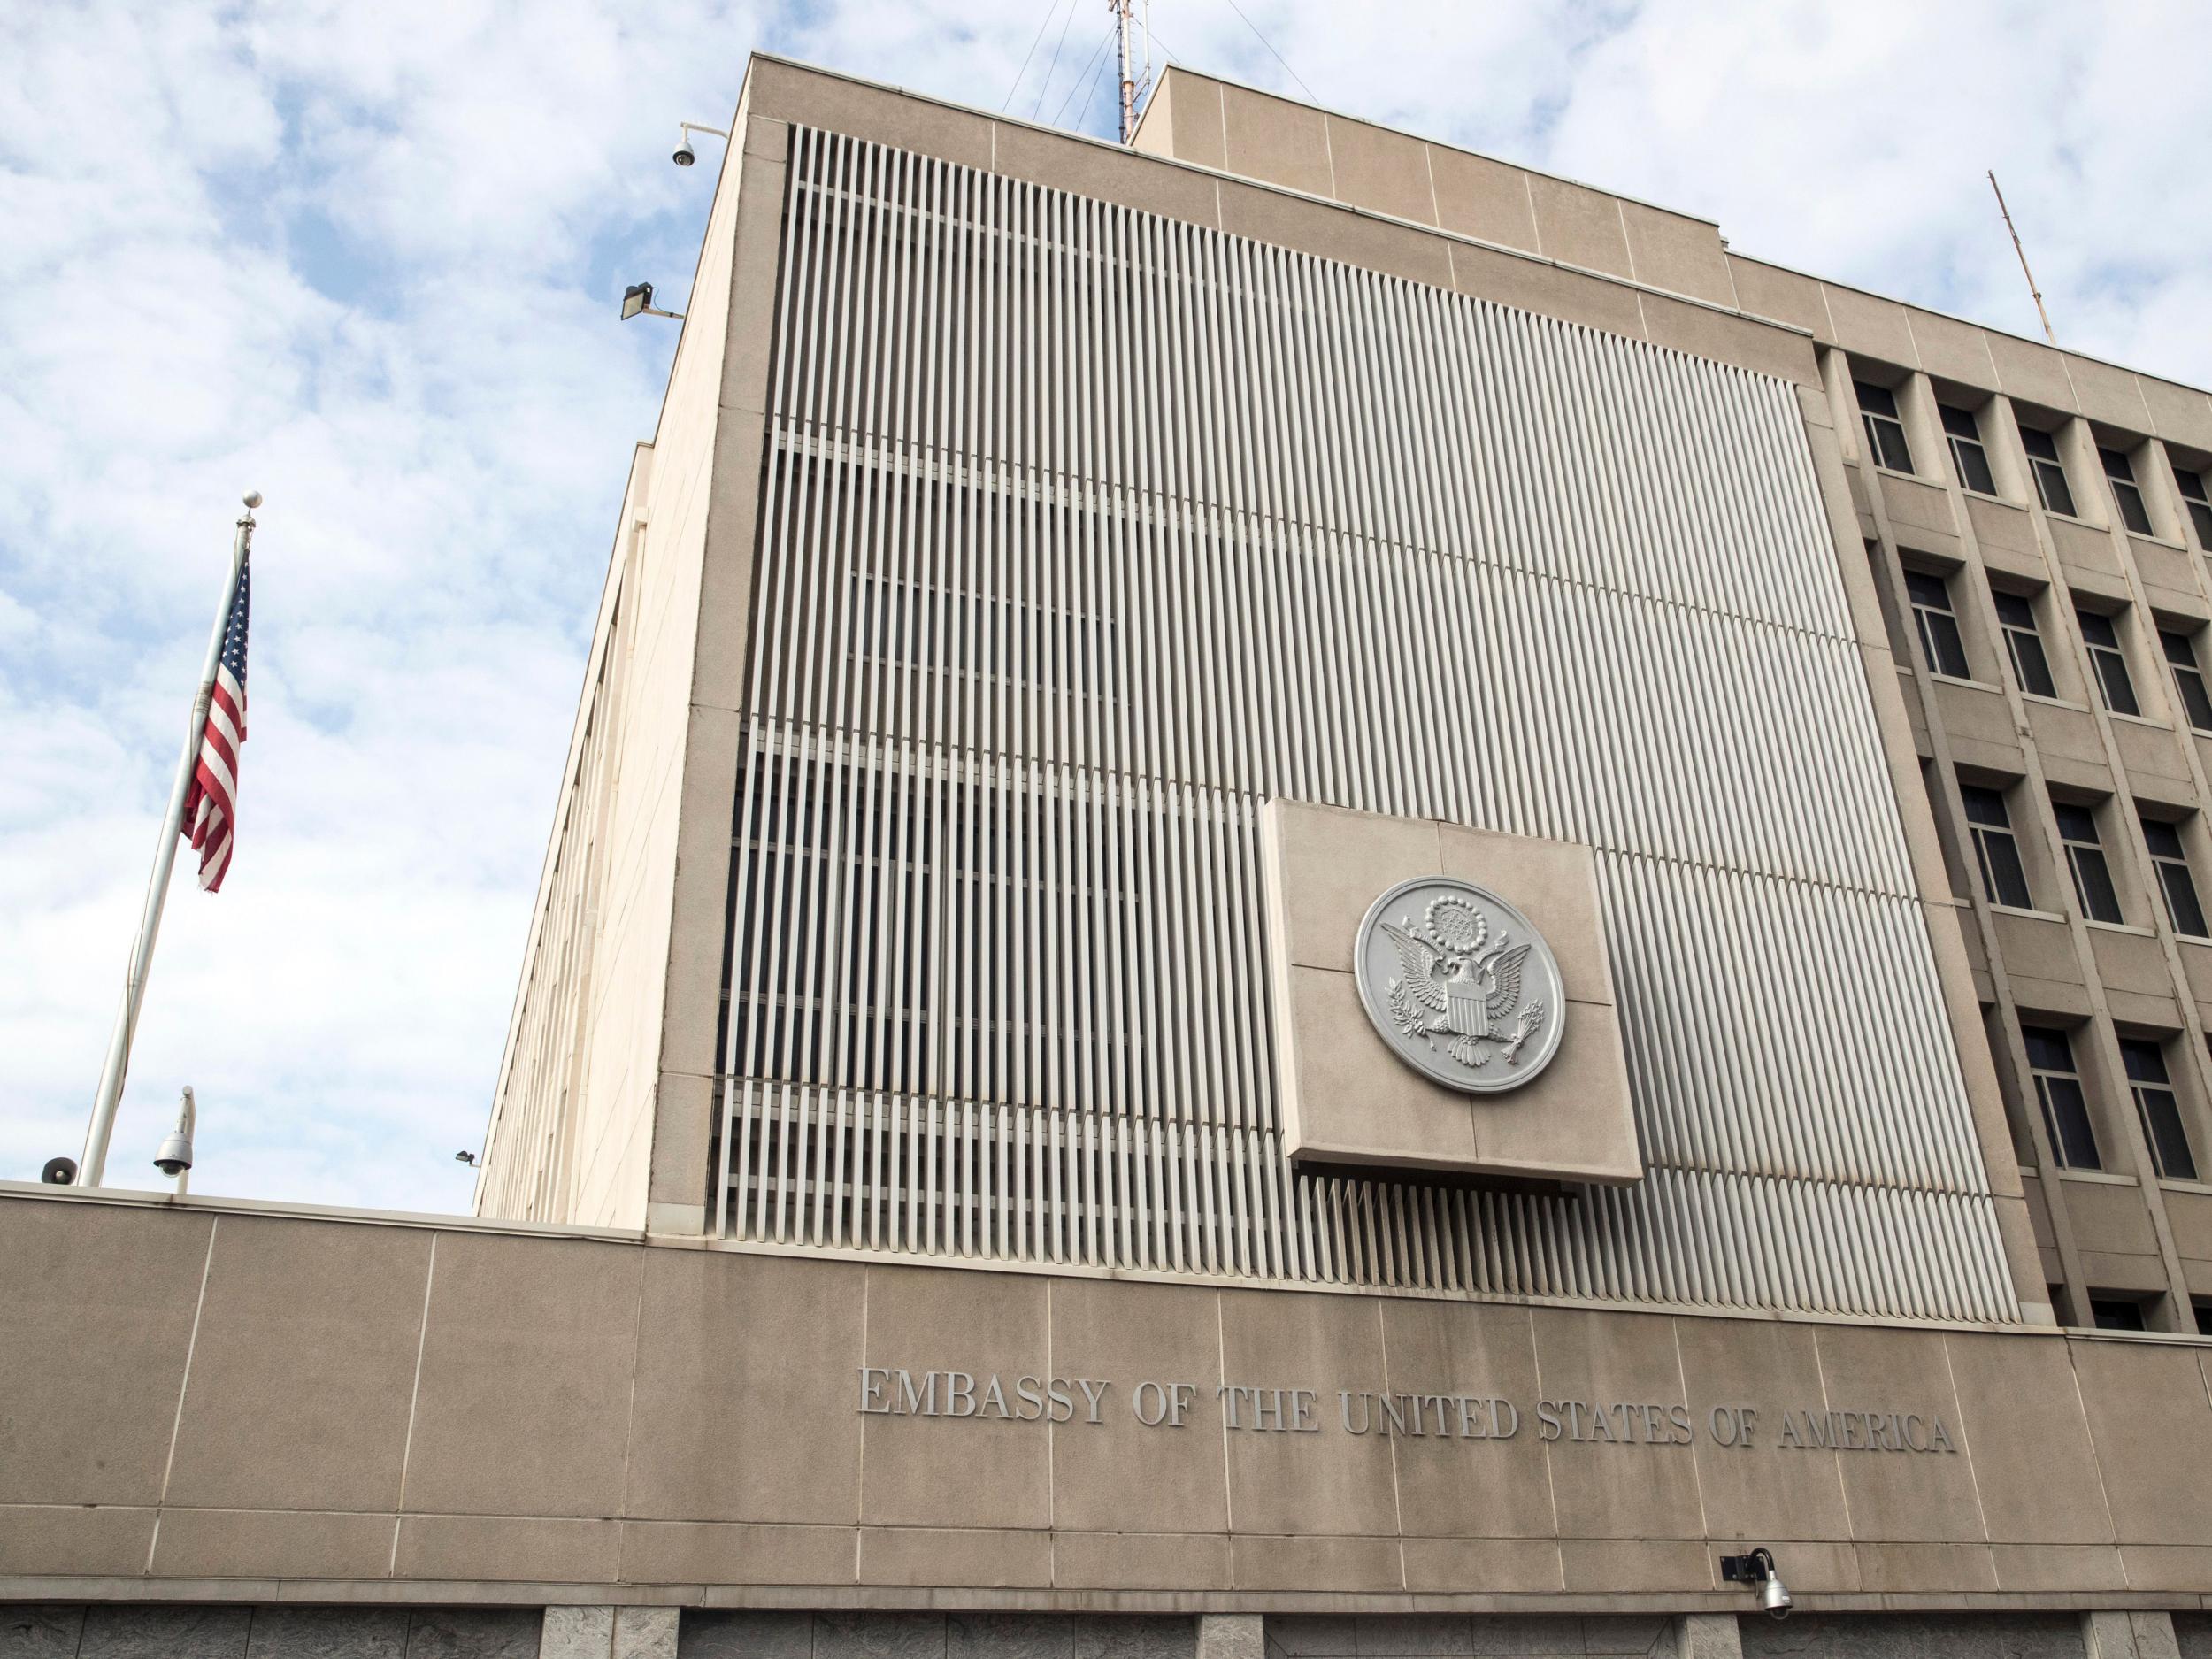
(891, 1240)
(1014, 662)
(2127, 1234)
(223, 1404)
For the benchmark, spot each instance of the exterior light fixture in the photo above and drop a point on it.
(1757, 1570)
(685, 155)
(468, 1158)
(637, 301)
(175, 1156)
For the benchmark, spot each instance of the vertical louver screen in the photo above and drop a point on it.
(1083, 533)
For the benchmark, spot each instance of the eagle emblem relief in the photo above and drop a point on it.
(1462, 984)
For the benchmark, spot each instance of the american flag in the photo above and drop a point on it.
(211, 811)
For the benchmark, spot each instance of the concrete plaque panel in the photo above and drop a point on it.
(1465, 1022)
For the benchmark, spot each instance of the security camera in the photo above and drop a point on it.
(1775, 1597)
(175, 1155)
(1757, 1570)
(59, 1171)
(685, 155)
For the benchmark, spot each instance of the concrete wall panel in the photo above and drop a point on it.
(2065, 1448)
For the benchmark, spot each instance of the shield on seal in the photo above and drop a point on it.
(1466, 1009)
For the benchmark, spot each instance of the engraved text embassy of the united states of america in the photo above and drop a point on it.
(989, 1397)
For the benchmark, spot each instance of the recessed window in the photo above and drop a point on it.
(1939, 643)
(1996, 849)
(2181, 655)
(1968, 459)
(1885, 429)
(2159, 1111)
(2050, 471)
(2058, 1093)
(2023, 643)
(2183, 910)
(2191, 486)
(2111, 663)
(2120, 473)
(2112, 1313)
(2085, 857)
(2202, 1309)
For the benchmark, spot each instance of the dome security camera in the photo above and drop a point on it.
(175, 1156)
(685, 155)
(1757, 1572)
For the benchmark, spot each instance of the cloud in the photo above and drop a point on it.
(365, 259)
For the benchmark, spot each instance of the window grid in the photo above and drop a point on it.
(2120, 473)
(1940, 646)
(2191, 485)
(2183, 912)
(2058, 1093)
(2050, 471)
(2115, 1313)
(2181, 655)
(1885, 431)
(2160, 1109)
(1996, 850)
(2110, 663)
(2023, 643)
(2085, 857)
(1970, 457)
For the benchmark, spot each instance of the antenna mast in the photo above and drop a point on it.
(1132, 84)
(2022, 252)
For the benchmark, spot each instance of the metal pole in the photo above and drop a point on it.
(2022, 252)
(1128, 86)
(111, 1074)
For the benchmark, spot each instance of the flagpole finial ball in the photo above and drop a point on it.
(253, 499)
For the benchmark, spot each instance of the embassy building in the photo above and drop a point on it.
(1314, 900)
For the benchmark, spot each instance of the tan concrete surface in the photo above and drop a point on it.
(2076, 1460)
(1347, 1096)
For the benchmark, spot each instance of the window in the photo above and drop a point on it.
(2174, 880)
(2160, 1112)
(2024, 644)
(2058, 1092)
(2121, 475)
(2191, 486)
(1939, 624)
(2111, 1313)
(1885, 431)
(2084, 856)
(2202, 1309)
(2111, 665)
(1968, 459)
(2181, 655)
(2050, 471)
(2004, 880)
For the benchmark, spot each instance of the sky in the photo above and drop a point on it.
(368, 260)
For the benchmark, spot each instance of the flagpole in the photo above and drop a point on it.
(111, 1074)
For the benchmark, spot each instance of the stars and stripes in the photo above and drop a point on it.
(210, 811)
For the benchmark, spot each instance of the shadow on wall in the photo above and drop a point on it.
(125, 1631)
